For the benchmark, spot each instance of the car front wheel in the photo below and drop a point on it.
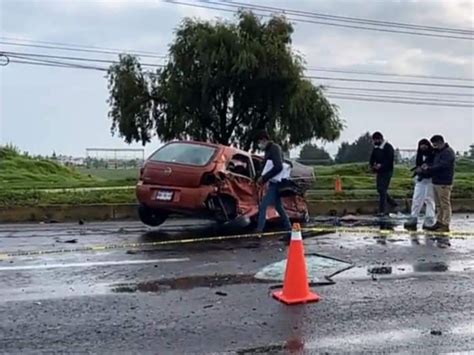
(150, 216)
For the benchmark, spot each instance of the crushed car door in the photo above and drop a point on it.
(241, 183)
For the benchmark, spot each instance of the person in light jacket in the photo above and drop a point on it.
(272, 176)
(423, 193)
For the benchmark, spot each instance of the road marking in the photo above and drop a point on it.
(92, 264)
(385, 233)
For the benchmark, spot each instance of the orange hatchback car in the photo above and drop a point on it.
(212, 181)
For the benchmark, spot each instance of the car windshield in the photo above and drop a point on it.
(184, 153)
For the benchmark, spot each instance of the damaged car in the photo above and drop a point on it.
(215, 182)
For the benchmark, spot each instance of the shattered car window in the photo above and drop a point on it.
(184, 153)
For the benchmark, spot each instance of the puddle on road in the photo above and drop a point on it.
(318, 266)
(186, 283)
(401, 270)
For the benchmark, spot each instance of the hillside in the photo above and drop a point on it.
(23, 172)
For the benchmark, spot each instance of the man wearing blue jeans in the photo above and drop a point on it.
(272, 197)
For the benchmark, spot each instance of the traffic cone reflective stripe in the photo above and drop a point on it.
(296, 232)
(295, 287)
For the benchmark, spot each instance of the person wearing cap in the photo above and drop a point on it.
(382, 163)
(274, 169)
(442, 172)
(423, 194)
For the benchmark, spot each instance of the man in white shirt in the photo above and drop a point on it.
(274, 171)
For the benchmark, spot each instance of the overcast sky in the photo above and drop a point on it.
(46, 109)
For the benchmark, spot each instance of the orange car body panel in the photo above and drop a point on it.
(189, 195)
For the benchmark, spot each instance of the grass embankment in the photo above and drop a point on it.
(357, 182)
(26, 181)
(20, 172)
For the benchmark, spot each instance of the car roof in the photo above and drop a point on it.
(215, 145)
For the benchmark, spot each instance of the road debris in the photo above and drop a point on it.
(380, 270)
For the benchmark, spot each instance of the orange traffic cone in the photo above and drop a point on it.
(295, 287)
(338, 184)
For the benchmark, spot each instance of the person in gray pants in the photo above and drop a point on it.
(442, 172)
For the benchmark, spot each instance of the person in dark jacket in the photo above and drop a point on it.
(271, 174)
(423, 193)
(442, 172)
(382, 162)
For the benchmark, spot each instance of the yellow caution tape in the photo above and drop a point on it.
(324, 230)
(357, 230)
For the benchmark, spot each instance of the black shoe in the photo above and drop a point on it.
(411, 224)
(426, 227)
(432, 228)
(443, 242)
(442, 228)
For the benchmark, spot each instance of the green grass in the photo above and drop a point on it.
(20, 172)
(121, 175)
(358, 181)
(38, 197)
(23, 181)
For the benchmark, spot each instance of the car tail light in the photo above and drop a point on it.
(208, 179)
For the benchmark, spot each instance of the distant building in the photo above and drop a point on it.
(70, 160)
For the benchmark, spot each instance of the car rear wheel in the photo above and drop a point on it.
(150, 216)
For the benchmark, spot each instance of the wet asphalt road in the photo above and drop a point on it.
(202, 298)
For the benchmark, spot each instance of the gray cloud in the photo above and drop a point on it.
(46, 109)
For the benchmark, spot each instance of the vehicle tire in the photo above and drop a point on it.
(240, 222)
(230, 205)
(151, 217)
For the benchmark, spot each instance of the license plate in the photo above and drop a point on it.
(164, 195)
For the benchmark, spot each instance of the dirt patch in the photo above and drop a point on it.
(187, 283)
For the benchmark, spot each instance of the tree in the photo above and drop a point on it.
(359, 151)
(471, 151)
(222, 83)
(313, 152)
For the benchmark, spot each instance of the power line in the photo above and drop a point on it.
(355, 98)
(97, 60)
(391, 82)
(80, 46)
(235, 8)
(375, 73)
(353, 19)
(330, 87)
(335, 70)
(54, 65)
(58, 63)
(309, 77)
(8, 43)
(373, 98)
(35, 57)
(428, 99)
